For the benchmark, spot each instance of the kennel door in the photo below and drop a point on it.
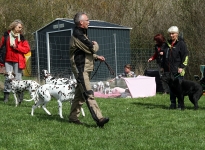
(58, 53)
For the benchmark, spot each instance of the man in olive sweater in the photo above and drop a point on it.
(82, 57)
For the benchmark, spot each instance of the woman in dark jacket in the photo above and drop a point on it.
(16, 46)
(160, 42)
(175, 58)
(158, 55)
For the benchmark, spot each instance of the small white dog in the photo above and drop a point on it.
(107, 89)
(100, 86)
(94, 87)
(60, 92)
(21, 85)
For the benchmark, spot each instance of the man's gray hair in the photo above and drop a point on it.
(78, 17)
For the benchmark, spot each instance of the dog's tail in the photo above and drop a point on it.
(28, 100)
(34, 98)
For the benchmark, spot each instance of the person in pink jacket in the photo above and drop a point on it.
(16, 46)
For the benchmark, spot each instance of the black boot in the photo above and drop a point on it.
(6, 97)
(102, 121)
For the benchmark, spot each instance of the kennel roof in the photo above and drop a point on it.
(93, 24)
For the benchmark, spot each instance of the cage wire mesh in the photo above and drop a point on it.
(137, 57)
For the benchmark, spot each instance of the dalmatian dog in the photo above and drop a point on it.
(107, 89)
(18, 86)
(94, 87)
(60, 92)
(100, 86)
(52, 80)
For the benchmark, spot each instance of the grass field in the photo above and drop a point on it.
(135, 124)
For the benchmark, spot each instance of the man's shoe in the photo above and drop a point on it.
(76, 122)
(102, 121)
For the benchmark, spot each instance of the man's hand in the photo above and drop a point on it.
(94, 42)
(149, 59)
(101, 58)
(111, 80)
(180, 70)
(161, 53)
(14, 46)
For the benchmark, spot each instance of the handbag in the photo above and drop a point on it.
(3, 50)
(2, 55)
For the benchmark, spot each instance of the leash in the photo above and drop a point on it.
(176, 75)
(96, 70)
(108, 66)
(85, 97)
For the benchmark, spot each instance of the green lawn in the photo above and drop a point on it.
(135, 124)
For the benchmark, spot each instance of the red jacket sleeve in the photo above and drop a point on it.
(23, 47)
(154, 56)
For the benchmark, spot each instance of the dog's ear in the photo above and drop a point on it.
(52, 78)
(5, 73)
(180, 81)
(13, 74)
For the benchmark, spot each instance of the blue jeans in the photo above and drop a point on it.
(172, 96)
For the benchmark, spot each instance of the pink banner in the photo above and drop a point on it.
(141, 86)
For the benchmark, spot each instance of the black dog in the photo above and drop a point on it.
(183, 88)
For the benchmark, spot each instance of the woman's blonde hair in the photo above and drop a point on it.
(15, 23)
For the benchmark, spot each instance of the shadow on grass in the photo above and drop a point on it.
(20, 105)
(64, 120)
(12, 104)
(154, 106)
(150, 105)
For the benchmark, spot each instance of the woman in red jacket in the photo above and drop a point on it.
(16, 46)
